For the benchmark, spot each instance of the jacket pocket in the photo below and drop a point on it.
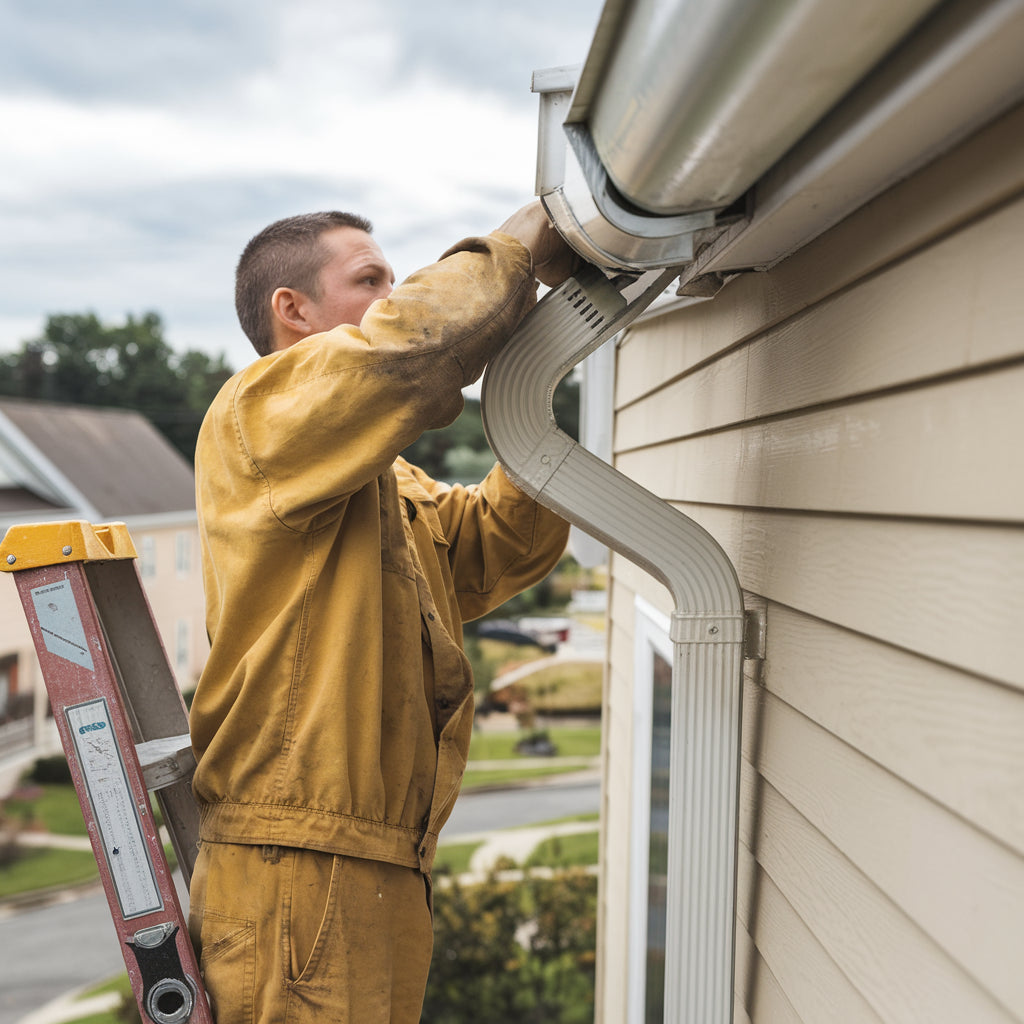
(228, 966)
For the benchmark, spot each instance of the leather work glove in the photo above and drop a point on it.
(553, 259)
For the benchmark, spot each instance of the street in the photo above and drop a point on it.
(510, 808)
(52, 950)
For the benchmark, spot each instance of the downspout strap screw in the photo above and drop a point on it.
(11, 559)
(67, 549)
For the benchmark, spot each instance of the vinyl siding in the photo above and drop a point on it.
(848, 426)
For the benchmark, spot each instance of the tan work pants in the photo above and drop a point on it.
(289, 936)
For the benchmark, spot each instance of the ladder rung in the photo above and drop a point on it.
(166, 761)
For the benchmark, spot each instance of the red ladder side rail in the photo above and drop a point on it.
(49, 566)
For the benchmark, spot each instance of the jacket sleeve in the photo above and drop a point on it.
(323, 418)
(500, 541)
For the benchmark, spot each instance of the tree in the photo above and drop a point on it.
(459, 453)
(82, 361)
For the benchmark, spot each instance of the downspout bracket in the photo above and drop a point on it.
(707, 629)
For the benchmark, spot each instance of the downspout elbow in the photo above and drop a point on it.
(706, 628)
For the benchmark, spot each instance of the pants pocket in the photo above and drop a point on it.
(228, 964)
(309, 911)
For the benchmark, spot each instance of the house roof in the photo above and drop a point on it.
(87, 462)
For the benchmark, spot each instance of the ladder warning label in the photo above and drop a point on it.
(114, 809)
(60, 623)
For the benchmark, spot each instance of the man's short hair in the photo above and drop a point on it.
(285, 254)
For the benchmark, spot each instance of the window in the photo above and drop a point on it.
(648, 909)
(17, 726)
(147, 557)
(182, 647)
(7, 666)
(183, 554)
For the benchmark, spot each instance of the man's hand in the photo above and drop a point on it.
(553, 259)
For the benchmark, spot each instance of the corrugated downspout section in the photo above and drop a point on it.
(707, 625)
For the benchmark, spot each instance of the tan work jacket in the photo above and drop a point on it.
(335, 709)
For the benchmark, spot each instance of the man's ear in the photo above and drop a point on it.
(290, 326)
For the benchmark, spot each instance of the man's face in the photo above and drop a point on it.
(355, 275)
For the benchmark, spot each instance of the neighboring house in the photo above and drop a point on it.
(843, 410)
(61, 462)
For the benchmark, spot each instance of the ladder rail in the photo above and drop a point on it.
(154, 702)
(115, 698)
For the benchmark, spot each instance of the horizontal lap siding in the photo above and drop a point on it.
(950, 195)
(951, 451)
(849, 427)
(876, 335)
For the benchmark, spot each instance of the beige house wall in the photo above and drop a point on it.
(848, 425)
(175, 593)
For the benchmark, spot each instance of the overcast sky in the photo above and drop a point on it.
(144, 143)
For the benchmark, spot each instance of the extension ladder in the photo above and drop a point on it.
(124, 728)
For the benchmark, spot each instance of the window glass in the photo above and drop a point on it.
(648, 911)
(147, 556)
(183, 553)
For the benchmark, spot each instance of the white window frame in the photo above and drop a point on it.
(651, 638)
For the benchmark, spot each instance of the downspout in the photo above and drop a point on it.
(706, 625)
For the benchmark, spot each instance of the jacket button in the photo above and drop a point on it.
(430, 615)
(444, 703)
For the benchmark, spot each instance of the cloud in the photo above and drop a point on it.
(492, 43)
(110, 49)
(144, 144)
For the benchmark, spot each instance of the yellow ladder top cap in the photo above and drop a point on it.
(32, 545)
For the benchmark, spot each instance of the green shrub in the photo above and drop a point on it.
(10, 851)
(514, 952)
(51, 769)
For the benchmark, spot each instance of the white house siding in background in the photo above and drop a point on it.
(850, 426)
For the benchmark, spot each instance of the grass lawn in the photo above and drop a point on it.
(45, 869)
(454, 857)
(99, 1018)
(582, 741)
(119, 984)
(567, 686)
(473, 779)
(53, 806)
(565, 851)
(590, 816)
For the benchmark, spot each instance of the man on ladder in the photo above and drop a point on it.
(332, 722)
